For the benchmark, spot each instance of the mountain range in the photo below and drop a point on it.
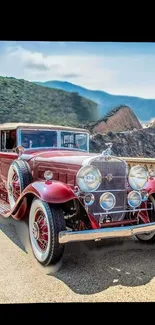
(143, 108)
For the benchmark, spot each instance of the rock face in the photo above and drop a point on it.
(152, 123)
(139, 143)
(118, 120)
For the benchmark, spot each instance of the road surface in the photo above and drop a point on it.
(112, 271)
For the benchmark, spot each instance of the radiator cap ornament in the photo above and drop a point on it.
(107, 153)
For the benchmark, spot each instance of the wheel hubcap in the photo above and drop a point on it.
(35, 231)
(40, 231)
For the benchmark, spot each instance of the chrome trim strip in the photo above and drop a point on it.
(110, 212)
(102, 233)
(102, 191)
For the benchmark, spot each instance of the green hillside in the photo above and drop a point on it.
(23, 101)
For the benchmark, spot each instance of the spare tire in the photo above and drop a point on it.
(19, 177)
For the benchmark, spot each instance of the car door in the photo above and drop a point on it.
(7, 156)
(6, 159)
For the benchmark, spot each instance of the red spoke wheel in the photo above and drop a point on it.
(45, 223)
(19, 177)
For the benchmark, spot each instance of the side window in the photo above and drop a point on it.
(8, 140)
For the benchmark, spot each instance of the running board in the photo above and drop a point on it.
(102, 233)
(4, 208)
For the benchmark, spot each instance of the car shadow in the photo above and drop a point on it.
(17, 232)
(92, 267)
(8, 227)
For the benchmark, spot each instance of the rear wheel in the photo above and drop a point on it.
(150, 236)
(45, 223)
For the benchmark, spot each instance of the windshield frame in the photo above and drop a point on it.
(19, 138)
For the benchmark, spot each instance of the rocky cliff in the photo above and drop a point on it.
(139, 143)
(121, 118)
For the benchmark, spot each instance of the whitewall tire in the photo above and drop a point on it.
(45, 223)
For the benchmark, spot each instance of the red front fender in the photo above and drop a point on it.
(151, 186)
(50, 191)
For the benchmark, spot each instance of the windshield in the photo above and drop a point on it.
(38, 138)
(52, 138)
(74, 140)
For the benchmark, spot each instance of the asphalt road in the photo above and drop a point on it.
(111, 270)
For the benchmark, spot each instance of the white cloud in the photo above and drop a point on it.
(128, 75)
(21, 63)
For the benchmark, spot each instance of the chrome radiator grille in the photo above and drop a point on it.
(117, 185)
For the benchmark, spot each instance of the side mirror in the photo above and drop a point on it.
(19, 150)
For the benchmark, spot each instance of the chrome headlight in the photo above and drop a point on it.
(89, 199)
(89, 178)
(144, 195)
(48, 175)
(107, 201)
(138, 177)
(134, 199)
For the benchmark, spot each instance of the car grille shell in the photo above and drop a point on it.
(116, 169)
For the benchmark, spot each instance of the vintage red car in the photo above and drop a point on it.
(69, 194)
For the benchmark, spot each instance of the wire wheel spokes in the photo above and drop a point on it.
(40, 230)
(15, 186)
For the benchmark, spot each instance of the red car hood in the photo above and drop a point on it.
(58, 156)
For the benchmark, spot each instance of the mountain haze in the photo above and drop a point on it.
(143, 108)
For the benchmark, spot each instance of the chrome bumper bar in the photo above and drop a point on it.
(122, 211)
(113, 232)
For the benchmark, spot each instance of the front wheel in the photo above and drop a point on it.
(45, 223)
(150, 236)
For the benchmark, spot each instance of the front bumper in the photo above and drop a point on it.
(102, 233)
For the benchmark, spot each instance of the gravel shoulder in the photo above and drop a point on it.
(111, 270)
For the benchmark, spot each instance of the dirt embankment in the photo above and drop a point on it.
(118, 120)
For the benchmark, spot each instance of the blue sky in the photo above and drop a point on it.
(117, 68)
